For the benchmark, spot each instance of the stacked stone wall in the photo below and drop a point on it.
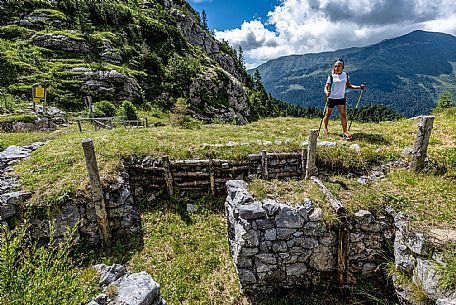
(122, 212)
(418, 253)
(275, 245)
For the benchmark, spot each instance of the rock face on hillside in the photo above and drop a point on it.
(120, 52)
(198, 37)
(212, 86)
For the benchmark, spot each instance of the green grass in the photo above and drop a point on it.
(448, 270)
(52, 169)
(188, 253)
(26, 118)
(34, 273)
(428, 199)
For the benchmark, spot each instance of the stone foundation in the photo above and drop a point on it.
(417, 255)
(278, 246)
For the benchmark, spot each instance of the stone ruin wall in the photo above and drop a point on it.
(273, 245)
(122, 212)
(277, 246)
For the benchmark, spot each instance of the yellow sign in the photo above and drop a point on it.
(39, 92)
(37, 100)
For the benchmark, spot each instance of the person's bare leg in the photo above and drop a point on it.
(326, 119)
(343, 118)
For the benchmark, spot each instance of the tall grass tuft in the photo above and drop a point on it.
(33, 273)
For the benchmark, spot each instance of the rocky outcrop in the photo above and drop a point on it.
(217, 85)
(46, 119)
(109, 84)
(193, 32)
(417, 255)
(59, 42)
(120, 287)
(275, 245)
(9, 198)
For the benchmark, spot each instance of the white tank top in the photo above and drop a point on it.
(338, 86)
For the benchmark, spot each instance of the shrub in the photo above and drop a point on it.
(107, 108)
(179, 117)
(129, 111)
(40, 274)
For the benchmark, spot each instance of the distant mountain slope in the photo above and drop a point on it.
(406, 73)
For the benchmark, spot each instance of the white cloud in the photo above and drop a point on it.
(305, 26)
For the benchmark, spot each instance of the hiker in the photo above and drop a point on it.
(335, 91)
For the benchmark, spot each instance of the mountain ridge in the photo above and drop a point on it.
(390, 68)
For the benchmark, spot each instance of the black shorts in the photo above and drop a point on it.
(333, 102)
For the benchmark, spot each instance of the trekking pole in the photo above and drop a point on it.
(326, 106)
(356, 108)
(324, 111)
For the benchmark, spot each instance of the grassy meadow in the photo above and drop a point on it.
(188, 254)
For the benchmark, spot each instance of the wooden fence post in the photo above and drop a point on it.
(79, 126)
(211, 175)
(97, 191)
(311, 169)
(421, 143)
(264, 165)
(168, 175)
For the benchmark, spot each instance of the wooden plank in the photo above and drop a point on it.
(234, 169)
(342, 251)
(343, 235)
(180, 163)
(421, 143)
(190, 174)
(336, 205)
(192, 183)
(97, 191)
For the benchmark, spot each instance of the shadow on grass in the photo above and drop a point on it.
(371, 138)
(120, 252)
(377, 291)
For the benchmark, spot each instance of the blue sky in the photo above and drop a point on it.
(267, 29)
(222, 15)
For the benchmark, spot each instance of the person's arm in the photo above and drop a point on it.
(350, 86)
(327, 89)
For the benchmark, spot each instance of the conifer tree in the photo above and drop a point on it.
(241, 55)
(204, 21)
